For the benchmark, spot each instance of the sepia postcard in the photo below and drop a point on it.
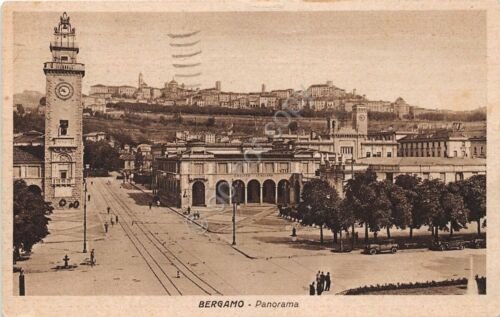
(251, 158)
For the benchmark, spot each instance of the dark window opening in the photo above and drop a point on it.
(63, 126)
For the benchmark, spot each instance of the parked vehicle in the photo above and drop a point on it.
(478, 243)
(383, 246)
(457, 243)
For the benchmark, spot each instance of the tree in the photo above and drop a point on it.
(20, 109)
(360, 197)
(139, 160)
(473, 192)
(293, 126)
(379, 214)
(454, 208)
(29, 121)
(319, 202)
(30, 217)
(409, 184)
(210, 122)
(341, 219)
(101, 155)
(429, 205)
(177, 118)
(400, 208)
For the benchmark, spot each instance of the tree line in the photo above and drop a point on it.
(306, 112)
(409, 202)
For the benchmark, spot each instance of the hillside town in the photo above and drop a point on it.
(317, 97)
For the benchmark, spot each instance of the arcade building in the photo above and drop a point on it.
(203, 175)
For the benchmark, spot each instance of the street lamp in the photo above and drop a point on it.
(352, 228)
(152, 181)
(85, 209)
(236, 202)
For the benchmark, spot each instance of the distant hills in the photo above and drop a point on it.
(28, 98)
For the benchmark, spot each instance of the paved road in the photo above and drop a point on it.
(143, 252)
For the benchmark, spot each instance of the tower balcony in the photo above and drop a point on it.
(63, 181)
(63, 142)
(58, 67)
(64, 46)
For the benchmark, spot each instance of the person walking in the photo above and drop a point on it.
(109, 209)
(92, 258)
(116, 218)
(328, 282)
(319, 288)
(312, 291)
(89, 197)
(318, 277)
(112, 222)
(158, 203)
(322, 279)
(150, 204)
(106, 226)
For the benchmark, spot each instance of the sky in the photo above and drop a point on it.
(434, 59)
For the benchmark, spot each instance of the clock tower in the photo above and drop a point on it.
(63, 180)
(360, 119)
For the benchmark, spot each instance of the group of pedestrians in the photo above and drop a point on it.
(194, 216)
(112, 220)
(322, 284)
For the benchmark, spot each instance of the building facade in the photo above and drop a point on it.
(63, 155)
(207, 176)
(426, 168)
(440, 143)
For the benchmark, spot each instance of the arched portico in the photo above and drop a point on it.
(222, 192)
(198, 194)
(35, 189)
(269, 191)
(253, 191)
(238, 192)
(283, 192)
(296, 192)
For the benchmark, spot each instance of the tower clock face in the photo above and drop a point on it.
(64, 90)
(362, 117)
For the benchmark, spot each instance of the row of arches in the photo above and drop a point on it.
(252, 192)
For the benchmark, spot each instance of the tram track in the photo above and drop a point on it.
(190, 278)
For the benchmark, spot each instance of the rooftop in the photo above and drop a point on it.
(421, 161)
(439, 134)
(29, 138)
(28, 154)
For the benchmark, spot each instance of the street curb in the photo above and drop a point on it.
(243, 253)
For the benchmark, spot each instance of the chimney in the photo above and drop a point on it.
(218, 85)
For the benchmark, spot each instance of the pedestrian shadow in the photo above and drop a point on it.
(70, 267)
